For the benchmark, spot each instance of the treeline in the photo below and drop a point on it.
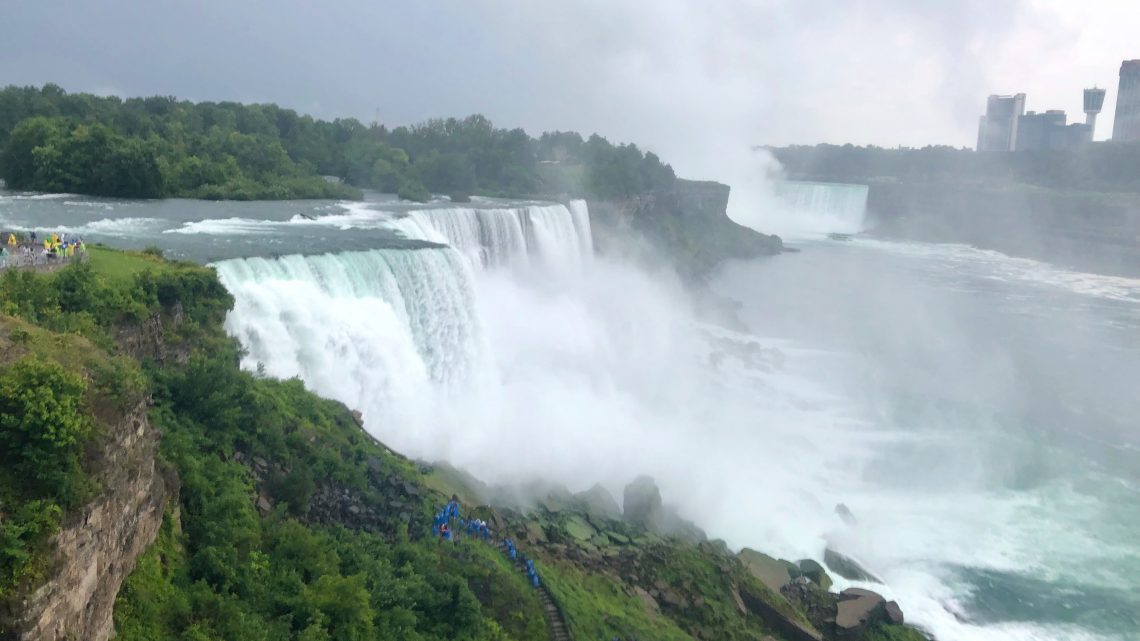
(1101, 167)
(51, 140)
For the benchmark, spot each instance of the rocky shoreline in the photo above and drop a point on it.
(660, 561)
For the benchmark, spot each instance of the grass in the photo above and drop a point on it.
(119, 266)
(597, 608)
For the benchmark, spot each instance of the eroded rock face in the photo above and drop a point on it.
(641, 503)
(98, 548)
(599, 501)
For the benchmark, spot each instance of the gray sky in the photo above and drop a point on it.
(687, 78)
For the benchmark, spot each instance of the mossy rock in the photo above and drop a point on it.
(847, 567)
(769, 570)
(887, 632)
(579, 529)
(620, 539)
(793, 569)
(815, 572)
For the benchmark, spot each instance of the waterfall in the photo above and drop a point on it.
(496, 237)
(822, 207)
(391, 330)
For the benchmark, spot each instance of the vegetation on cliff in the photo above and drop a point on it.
(155, 147)
(287, 521)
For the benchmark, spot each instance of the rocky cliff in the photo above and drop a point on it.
(688, 222)
(98, 547)
(1090, 231)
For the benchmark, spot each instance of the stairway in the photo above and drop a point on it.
(555, 623)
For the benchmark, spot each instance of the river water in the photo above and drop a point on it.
(977, 413)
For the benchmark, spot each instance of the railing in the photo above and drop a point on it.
(27, 257)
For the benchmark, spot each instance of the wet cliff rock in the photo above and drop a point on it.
(688, 222)
(98, 547)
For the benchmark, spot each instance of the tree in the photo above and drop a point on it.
(18, 162)
(42, 425)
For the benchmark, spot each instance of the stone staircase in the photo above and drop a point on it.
(555, 622)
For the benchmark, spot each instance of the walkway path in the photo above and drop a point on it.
(555, 622)
(36, 261)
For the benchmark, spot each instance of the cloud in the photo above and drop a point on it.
(692, 80)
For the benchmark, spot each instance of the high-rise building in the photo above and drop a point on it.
(1126, 128)
(1094, 101)
(997, 130)
(1039, 131)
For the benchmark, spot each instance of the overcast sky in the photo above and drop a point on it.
(687, 78)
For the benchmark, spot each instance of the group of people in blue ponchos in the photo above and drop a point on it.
(448, 524)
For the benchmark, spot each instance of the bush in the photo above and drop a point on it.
(414, 190)
(42, 426)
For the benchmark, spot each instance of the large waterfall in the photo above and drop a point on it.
(395, 331)
(512, 352)
(822, 207)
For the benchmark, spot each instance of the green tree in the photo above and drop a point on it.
(42, 426)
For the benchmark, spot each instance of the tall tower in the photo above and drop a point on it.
(1126, 128)
(1094, 100)
(997, 130)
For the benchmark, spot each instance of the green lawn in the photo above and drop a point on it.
(119, 266)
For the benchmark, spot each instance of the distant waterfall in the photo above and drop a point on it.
(822, 207)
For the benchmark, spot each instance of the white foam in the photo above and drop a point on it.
(124, 227)
(226, 227)
(1005, 267)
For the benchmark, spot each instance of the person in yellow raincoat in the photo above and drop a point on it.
(12, 239)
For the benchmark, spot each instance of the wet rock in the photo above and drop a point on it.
(598, 501)
(817, 604)
(847, 567)
(263, 505)
(358, 417)
(641, 503)
(859, 608)
(894, 613)
(814, 571)
(777, 618)
(769, 570)
(411, 490)
(845, 514)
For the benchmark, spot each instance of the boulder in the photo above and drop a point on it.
(859, 608)
(769, 570)
(641, 503)
(894, 613)
(780, 616)
(814, 571)
(599, 502)
(845, 513)
(847, 567)
(358, 417)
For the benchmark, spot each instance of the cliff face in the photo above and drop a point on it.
(1097, 232)
(689, 222)
(98, 547)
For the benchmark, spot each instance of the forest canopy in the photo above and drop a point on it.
(55, 141)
